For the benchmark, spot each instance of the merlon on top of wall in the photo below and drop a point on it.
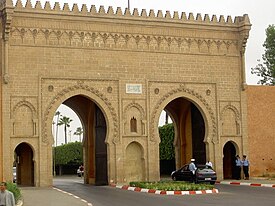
(84, 11)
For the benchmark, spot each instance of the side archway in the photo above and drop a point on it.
(229, 154)
(198, 100)
(194, 123)
(24, 164)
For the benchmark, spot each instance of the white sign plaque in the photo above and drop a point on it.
(134, 88)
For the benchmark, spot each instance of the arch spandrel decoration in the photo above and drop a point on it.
(141, 120)
(80, 87)
(212, 130)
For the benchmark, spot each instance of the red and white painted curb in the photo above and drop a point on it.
(245, 184)
(163, 192)
(88, 204)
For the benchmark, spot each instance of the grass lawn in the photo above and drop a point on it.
(172, 186)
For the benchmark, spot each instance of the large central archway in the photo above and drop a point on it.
(95, 130)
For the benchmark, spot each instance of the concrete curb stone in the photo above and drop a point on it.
(163, 192)
(245, 184)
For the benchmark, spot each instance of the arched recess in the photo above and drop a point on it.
(26, 111)
(230, 121)
(135, 163)
(24, 163)
(229, 154)
(99, 120)
(186, 106)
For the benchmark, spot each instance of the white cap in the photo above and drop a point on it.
(192, 160)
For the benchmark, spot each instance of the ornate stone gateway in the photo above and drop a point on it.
(118, 70)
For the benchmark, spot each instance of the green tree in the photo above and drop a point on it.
(69, 154)
(79, 132)
(66, 122)
(266, 70)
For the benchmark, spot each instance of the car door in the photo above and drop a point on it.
(186, 173)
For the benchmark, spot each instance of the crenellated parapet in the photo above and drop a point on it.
(39, 24)
(118, 13)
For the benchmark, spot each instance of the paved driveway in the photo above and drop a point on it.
(109, 196)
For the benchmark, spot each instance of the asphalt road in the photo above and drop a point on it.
(110, 196)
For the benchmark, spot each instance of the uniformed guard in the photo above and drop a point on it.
(245, 167)
(238, 162)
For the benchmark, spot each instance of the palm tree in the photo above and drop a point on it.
(79, 132)
(56, 114)
(166, 118)
(54, 159)
(66, 122)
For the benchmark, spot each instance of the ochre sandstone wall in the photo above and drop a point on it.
(128, 64)
(261, 129)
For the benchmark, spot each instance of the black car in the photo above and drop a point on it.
(204, 173)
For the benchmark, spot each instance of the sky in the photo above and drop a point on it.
(261, 14)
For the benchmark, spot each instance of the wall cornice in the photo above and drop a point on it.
(123, 41)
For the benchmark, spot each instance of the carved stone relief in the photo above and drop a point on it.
(60, 95)
(230, 121)
(93, 39)
(197, 97)
(24, 120)
(134, 120)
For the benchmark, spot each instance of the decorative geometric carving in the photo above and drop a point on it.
(24, 119)
(208, 92)
(162, 43)
(71, 89)
(50, 88)
(109, 89)
(134, 113)
(212, 125)
(230, 120)
(157, 91)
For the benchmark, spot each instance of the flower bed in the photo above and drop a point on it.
(172, 186)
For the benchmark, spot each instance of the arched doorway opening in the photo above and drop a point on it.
(94, 136)
(229, 153)
(189, 131)
(24, 165)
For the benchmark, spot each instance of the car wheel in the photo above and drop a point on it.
(196, 181)
(212, 183)
(174, 178)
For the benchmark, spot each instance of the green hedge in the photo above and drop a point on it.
(166, 147)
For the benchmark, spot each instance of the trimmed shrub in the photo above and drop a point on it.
(172, 186)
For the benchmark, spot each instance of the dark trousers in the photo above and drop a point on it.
(245, 171)
(238, 172)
